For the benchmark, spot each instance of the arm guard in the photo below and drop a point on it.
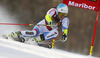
(48, 18)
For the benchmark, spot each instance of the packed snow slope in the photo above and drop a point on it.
(13, 49)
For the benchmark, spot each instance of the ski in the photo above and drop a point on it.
(49, 45)
(5, 36)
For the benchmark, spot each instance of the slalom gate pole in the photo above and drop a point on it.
(22, 24)
(15, 24)
(91, 49)
(53, 42)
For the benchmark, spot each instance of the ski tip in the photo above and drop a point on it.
(4, 36)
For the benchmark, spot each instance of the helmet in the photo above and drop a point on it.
(62, 8)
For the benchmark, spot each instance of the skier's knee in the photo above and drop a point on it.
(36, 29)
(50, 35)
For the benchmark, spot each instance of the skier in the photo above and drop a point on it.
(55, 17)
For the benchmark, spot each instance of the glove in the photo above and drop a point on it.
(16, 36)
(53, 24)
(64, 38)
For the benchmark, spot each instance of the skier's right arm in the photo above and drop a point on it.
(49, 15)
(48, 18)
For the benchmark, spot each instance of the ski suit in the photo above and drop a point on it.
(47, 31)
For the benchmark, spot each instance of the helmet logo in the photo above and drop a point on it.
(61, 9)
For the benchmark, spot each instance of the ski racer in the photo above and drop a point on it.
(55, 17)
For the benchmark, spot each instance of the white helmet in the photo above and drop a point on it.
(63, 8)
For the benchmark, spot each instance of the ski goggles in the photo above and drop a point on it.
(62, 14)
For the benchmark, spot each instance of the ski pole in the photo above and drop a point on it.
(42, 25)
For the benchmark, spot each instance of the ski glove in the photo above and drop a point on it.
(16, 35)
(64, 38)
(53, 24)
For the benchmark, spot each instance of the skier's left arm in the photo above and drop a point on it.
(65, 24)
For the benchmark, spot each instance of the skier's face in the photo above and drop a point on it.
(62, 15)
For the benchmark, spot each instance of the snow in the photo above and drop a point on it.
(14, 49)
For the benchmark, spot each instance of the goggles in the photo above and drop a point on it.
(62, 14)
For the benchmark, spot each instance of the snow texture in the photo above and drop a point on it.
(14, 49)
